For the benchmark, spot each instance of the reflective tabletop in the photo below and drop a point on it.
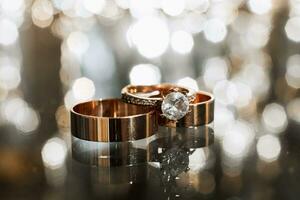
(167, 165)
(182, 163)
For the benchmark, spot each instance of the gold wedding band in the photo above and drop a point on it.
(151, 95)
(199, 106)
(173, 100)
(112, 120)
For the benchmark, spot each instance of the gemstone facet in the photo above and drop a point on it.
(175, 106)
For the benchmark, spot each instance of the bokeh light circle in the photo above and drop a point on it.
(8, 32)
(268, 148)
(292, 29)
(145, 74)
(83, 88)
(151, 36)
(182, 42)
(215, 30)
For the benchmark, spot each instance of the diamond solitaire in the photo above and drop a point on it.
(175, 106)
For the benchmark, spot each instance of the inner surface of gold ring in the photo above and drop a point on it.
(201, 98)
(110, 108)
(162, 90)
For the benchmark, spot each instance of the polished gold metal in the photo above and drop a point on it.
(201, 106)
(112, 120)
(201, 112)
(152, 95)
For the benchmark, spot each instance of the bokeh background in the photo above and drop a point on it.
(55, 53)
